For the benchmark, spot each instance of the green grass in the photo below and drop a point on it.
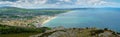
(18, 35)
(4, 29)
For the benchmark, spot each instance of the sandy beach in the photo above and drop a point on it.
(49, 19)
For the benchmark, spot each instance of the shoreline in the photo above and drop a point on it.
(49, 19)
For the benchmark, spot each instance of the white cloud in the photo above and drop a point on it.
(65, 0)
(95, 3)
(24, 3)
(43, 3)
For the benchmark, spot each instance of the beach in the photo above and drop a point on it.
(48, 19)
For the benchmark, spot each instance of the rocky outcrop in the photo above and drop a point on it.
(77, 32)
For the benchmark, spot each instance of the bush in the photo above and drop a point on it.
(4, 29)
(94, 32)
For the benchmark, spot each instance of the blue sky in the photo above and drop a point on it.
(60, 3)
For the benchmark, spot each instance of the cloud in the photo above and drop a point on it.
(24, 3)
(65, 0)
(95, 3)
(57, 4)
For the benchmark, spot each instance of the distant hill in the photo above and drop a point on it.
(44, 8)
(8, 7)
(23, 10)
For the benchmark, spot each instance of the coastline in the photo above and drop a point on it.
(49, 19)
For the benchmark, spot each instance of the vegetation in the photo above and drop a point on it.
(78, 32)
(18, 35)
(13, 31)
(4, 29)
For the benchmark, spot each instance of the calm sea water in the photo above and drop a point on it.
(99, 18)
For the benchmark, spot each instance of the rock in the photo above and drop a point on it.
(75, 32)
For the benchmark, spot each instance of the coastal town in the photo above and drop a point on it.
(26, 17)
(37, 21)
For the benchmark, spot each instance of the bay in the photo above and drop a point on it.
(94, 17)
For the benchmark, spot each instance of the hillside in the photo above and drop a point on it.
(77, 32)
(13, 31)
(4, 29)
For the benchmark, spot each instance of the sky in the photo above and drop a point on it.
(60, 3)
